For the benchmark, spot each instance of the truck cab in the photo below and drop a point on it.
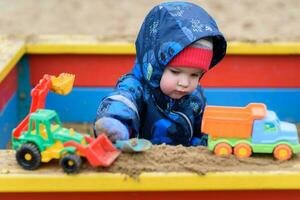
(271, 130)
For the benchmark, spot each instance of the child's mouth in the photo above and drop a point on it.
(180, 93)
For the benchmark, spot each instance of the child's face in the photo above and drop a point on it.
(177, 82)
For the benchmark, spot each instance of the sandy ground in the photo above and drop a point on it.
(240, 20)
(165, 158)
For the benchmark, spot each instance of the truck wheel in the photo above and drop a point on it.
(282, 152)
(70, 163)
(223, 149)
(242, 150)
(28, 156)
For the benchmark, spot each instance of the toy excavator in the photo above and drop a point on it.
(40, 137)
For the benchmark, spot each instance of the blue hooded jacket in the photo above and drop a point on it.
(137, 100)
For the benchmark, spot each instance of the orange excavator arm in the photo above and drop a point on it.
(61, 85)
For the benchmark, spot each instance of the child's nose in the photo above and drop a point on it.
(183, 82)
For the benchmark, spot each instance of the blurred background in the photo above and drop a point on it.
(239, 20)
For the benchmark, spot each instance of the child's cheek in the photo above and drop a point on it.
(167, 85)
(164, 86)
(195, 84)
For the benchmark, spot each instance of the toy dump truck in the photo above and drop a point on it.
(247, 130)
(40, 137)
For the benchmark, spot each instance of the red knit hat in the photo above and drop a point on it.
(196, 55)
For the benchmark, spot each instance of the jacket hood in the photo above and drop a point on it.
(167, 30)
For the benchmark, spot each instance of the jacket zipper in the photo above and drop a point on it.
(188, 121)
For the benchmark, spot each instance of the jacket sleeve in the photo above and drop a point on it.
(124, 103)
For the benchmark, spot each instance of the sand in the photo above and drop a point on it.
(240, 20)
(166, 158)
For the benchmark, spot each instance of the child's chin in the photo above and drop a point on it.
(176, 96)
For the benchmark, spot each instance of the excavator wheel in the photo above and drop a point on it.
(28, 156)
(282, 152)
(70, 163)
(223, 149)
(242, 150)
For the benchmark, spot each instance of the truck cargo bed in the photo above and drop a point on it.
(233, 122)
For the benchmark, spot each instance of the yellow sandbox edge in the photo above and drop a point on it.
(234, 48)
(11, 58)
(101, 182)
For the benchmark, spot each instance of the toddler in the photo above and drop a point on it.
(161, 99)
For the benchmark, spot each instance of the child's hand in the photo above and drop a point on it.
(113, 128)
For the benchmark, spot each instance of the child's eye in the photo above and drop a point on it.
(174, 71)
(195, 75)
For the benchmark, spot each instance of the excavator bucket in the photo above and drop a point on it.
(99, 151)
(63, 83)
